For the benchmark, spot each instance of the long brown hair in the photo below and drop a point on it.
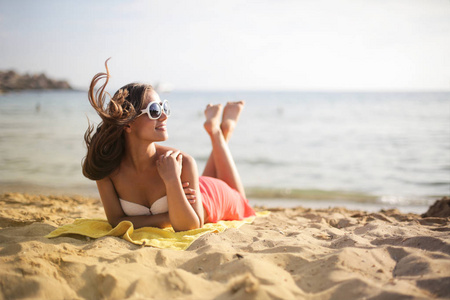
(105, 146)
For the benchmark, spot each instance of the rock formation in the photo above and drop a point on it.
(12, 81)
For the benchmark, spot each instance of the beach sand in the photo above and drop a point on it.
(293, 253)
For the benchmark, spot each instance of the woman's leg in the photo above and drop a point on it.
(230, 117)
(221, 164)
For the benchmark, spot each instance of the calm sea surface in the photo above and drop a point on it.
(380, 149)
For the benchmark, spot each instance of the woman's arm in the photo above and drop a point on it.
(115, 214)
(173, 169)
(190, 174)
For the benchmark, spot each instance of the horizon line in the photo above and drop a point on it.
(292, 90)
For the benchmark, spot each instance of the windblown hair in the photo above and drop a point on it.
(106, 143)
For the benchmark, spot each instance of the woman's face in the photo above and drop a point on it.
(144, 127)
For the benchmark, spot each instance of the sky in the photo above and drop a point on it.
(389, 45)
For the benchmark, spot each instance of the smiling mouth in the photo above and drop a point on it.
(161, 127)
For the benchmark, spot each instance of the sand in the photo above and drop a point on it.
(292, 254)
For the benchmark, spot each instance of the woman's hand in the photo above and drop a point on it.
(190, 193)
(169, 165)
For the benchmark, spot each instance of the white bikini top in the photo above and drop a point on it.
(160, 206)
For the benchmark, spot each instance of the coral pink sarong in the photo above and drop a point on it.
(222, 202)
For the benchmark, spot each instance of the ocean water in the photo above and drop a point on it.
(292, 148)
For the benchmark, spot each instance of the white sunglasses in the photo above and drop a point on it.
(155, 109)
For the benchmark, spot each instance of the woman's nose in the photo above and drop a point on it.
(163, 116)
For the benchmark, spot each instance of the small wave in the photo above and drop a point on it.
(250, 161)
(421, 182)
(407, 200)
(309, 194)
(262, 161)
(425, 183)
(436, 183)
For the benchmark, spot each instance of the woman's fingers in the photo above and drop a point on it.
(168, 153)
(191, 198)
(190, 193)
(175, 154)
(178, 156)
(170, 164)
(165, 155)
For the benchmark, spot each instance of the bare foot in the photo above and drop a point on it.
(230, 117)
(212, 114)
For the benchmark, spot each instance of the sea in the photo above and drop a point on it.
(359, 150)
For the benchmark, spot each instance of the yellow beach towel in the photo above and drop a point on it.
(147, 236)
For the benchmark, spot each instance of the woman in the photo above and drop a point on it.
(152, 185)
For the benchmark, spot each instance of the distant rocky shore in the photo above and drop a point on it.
(12, 81)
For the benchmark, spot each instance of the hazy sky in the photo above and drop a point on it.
(267, 45)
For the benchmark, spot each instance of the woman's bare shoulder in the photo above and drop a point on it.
(106, 188)
(160, 149)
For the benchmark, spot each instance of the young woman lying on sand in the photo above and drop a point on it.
(152, 185)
